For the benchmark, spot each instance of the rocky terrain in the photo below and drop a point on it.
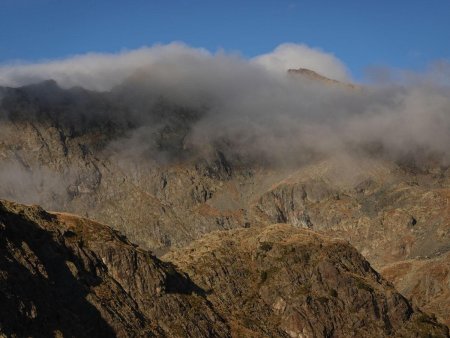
(67, 150)
(423, 280)
(396, 217)
(61, 275)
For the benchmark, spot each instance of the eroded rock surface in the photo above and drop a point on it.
(61, 275)
(280, 281)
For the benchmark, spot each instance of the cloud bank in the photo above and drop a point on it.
(185, 99)
(97, 71)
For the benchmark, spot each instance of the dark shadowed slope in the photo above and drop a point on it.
(64, 275)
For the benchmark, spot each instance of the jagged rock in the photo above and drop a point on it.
(314, 76)
(281, 281)
(61, 275)
(426, 281)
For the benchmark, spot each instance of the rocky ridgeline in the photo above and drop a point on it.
(61, 275)
(312, 75)
(281, 281)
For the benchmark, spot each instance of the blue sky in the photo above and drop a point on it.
(400, 34)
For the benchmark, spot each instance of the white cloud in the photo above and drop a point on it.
(96, 71)
(290, 55)
(101, 71)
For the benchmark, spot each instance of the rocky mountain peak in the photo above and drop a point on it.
(312, 75)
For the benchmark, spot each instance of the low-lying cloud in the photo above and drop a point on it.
(100, 71)
(253, 108)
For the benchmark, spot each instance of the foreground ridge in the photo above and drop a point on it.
(283, 281)
(62, 275)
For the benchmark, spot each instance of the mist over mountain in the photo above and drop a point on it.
(251, 108)
(170, 143)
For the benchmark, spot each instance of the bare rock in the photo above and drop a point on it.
(281, 281)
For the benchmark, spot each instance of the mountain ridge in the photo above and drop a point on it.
(102, 285)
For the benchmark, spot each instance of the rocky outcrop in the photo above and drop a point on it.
(312, 75)
(395, 216)
(426, 281)
(61, 275)
(280, 281)
(388, 213)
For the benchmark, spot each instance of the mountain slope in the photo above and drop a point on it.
(282, 281)
(426, 281)
(61, 275)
